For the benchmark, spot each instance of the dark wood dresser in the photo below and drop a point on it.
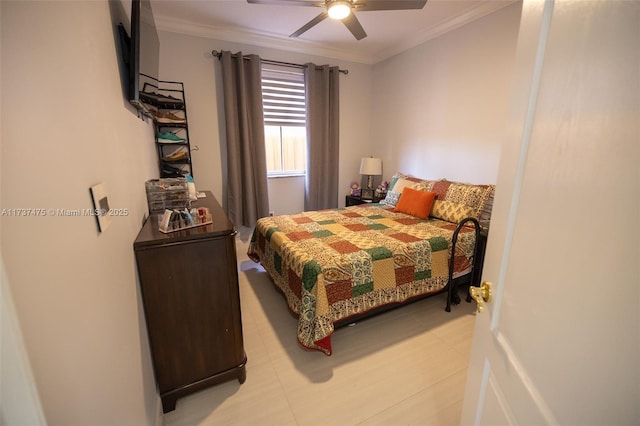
(189, 287)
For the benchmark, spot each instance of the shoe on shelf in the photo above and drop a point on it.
(147, 97)
(167, 98)
(153, 97)
(168, 118)
(170, 171)
(176, 156)
(169, 137)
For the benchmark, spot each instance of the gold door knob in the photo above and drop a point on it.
(481, 294)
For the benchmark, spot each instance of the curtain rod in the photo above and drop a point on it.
(270, 62)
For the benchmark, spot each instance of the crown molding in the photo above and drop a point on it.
(255, 38)
(481, 10)
(276, 41)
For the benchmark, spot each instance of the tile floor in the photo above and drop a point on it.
(407, 366)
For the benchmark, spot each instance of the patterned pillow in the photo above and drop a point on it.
(391, 199)
(392, 193)
(394, 180)
(400, 181)
(451, 211)
(479, 198)
(401, 184)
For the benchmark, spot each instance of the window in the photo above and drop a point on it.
(285, 128)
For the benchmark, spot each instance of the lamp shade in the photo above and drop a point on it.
(371, 166)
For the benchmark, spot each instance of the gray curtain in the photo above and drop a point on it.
(323, 116)
(247, 193)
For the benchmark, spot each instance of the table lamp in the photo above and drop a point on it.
(370, 167)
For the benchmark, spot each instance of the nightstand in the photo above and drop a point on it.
(351, 200)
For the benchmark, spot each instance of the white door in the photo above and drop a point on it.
(559, 343)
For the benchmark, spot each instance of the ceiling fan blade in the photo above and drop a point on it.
(288, 2)
(310, 24)
(352, 23)
(368, 5)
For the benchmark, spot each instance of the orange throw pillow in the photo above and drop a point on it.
(416, 203)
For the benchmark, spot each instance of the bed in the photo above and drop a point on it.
(336, 266)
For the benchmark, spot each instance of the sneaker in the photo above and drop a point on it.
(168, 117)
(147, 97)
(155, 98)
(170, 171)
(167, 99)
(176, 156)
(169, 137)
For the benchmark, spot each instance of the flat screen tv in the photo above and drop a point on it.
(144, 53)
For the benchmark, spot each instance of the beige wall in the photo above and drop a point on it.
(438, 109)
(285, 195)
(66, 127)
(187, 58)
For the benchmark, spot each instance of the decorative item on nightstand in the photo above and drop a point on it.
(355, 189)
(381, 190)
(370, 167)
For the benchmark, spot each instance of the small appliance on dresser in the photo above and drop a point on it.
(189, 287)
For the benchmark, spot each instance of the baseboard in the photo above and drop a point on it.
(159, 414)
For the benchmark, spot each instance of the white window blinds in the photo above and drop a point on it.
(283, 96)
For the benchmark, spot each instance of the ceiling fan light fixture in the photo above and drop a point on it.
(339, 9)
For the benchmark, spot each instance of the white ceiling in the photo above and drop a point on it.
(388, 32)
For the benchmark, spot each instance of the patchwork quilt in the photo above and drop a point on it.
(336, 264)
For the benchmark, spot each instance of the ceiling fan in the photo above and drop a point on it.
(343, 10)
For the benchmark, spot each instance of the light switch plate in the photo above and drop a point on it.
(100, 206)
